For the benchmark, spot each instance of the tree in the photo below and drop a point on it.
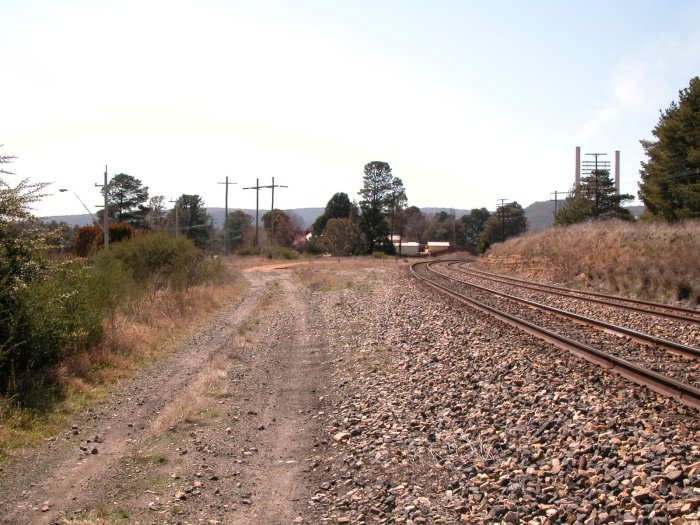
(443, 226)
(343, 237)
(156, 217)
(416, 223)
(238, 224)
(338, 207)
(193, 219)
(396, 202)
(670, 179)
(284, 230)
(376, 192)
(126, 198)
(595, 198)
(509, 220)
(474, 225)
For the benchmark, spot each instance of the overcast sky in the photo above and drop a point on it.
(467, 101)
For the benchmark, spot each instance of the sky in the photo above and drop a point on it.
(468, 101)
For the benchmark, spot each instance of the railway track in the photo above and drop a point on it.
(647, 364)
(679, 313)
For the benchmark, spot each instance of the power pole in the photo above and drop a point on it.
(604, 165)
(556, 200)
(105, 217)
(257, 200)
(227, 183)
(272, 208)
(503, 218)
(177, 215)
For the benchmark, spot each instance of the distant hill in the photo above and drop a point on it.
(540, 215)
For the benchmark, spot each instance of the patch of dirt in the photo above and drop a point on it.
(221, 432)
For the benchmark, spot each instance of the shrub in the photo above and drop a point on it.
(157, 260)
(57, 314)
(87, 240)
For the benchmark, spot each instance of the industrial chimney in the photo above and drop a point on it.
(578, 166)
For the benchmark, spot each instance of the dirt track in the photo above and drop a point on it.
(220, 432)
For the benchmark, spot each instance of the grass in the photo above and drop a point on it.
(194, 406)
(650, 261)
(332, 274)
(138, 334)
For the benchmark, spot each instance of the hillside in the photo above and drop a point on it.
(650, 261)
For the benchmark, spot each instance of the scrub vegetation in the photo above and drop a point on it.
(652, 261)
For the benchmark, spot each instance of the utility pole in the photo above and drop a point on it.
(257, 200)
(227, 183)
(604, 165)
(556, 200)
(177, 215)
(105, 217)
(272, 208)
(503, 218)
(257, 189)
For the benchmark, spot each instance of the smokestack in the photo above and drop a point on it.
(578, 166)
(617, 172)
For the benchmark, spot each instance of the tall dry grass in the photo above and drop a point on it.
(147, 328)
(651, 261)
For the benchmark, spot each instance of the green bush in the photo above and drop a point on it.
(55, 315)
(271, 252)
(157, 260)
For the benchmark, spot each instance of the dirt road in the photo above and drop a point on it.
(222, 432)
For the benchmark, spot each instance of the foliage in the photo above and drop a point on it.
(285, 227)
(126, 198)
(595, 198)
(473, 225)
(670, 179)
(338, 207)
(509, 220)
(271, 252)
(415, 224)
(237, 224)
(156, 260)
(88, 240)
(443, 226)
(193, 219)
(156, 219)
(343, 237)
(120, 231)
(314, 247)
(376, 193)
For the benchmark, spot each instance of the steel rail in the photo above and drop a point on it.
(598, 297)
(667, 386)
(638, 336)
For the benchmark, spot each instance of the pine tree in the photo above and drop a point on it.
(596, 198)
(670, 185)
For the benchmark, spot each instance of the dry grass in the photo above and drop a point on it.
(653, 261)
(140, 333)
(195, 404)
(326, 274)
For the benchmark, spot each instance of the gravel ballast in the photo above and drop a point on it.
(443, 415)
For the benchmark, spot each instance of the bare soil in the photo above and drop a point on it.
(221, 432)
